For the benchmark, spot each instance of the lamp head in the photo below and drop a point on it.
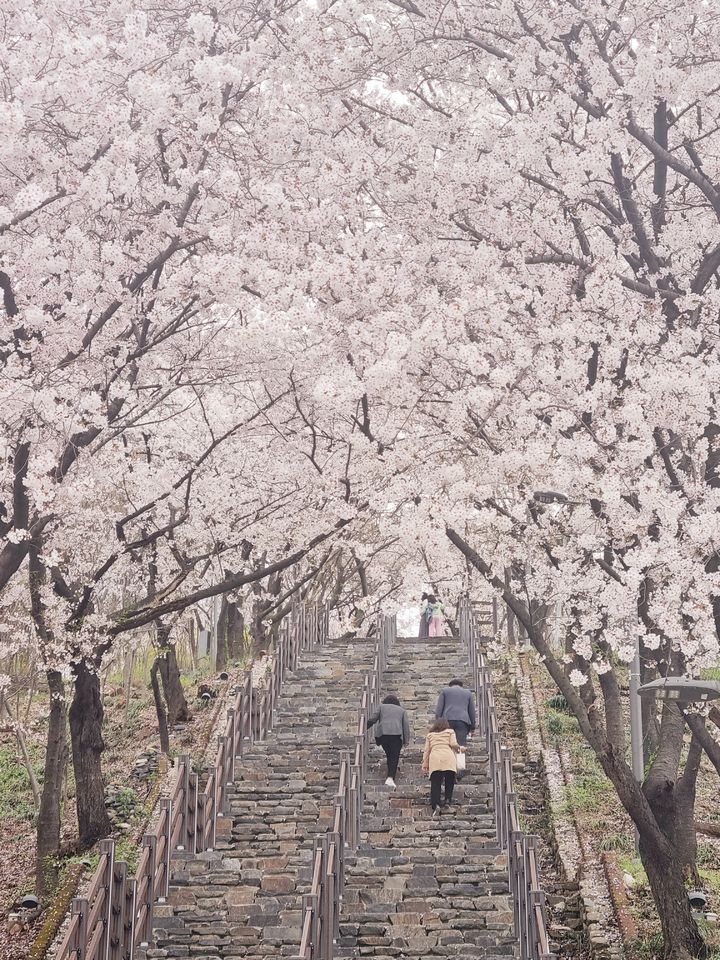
(681, 689)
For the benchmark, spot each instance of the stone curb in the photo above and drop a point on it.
(616, 885)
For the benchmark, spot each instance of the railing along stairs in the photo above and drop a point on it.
(530, 914)
(322, 905)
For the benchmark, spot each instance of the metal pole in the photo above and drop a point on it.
(636, 736)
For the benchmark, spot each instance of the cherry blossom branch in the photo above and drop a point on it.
(140, 616)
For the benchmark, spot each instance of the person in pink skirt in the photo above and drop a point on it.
(435, 612)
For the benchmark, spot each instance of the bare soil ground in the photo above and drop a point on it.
(130, 733)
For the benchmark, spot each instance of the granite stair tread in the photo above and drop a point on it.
(419, 886)
(416, 886)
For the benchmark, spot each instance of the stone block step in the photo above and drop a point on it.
(416, 886)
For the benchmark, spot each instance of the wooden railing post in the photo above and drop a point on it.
(191, 814)
(129, 919)
(249, 700)
(310, 902)
(355, 805)
(116, 938)
(266, 713)
(295, 635)
(239, 701)
(106, 849)
(184, 774)
(215, 811)
(145, 934)
(201, 820)
(230, 749)
(80, 909)
(164, 845)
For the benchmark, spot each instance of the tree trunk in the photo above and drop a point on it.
(257, 627)
(86, 717)
(22, 747)
(160, 709)
(49, 815)
(685, 835)
(235, 633)
(682, 939)
(512, 641)
(221, 657)
(129, 664)
(166, 660)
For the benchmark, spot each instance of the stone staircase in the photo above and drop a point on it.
(243, 899)
(418, 886)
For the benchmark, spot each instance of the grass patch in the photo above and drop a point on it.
(706, 855)
(126, 802)
(633, 866)
(588, 793)
(89, 859)
(711, 881)
(650, 946)
(559, 703)
(128, 852)
(135, 708)
(621, 842)
(560, 725)
(16, 799)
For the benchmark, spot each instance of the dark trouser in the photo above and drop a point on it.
(436, 779)
(461, 730)
(392, 745)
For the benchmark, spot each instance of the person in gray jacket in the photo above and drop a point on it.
(455, 704)
(392, 733)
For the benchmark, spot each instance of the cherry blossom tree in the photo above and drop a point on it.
(539, 262)
(311, 299)
(138, 197)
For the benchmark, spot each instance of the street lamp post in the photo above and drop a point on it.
(680, 690)
(636, 738)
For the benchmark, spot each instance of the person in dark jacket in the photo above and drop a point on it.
(392, 733)
(424, 628)
(455, 704)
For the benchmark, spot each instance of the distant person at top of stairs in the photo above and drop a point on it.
(456, 705)
(434, 613)
(392, 733)
(423, 632)
(440, 761)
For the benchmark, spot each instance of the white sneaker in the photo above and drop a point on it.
(389, 782)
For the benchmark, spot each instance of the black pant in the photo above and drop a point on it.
(461, 730)
(392, 745)
(436, 779)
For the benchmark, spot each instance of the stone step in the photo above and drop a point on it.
(416, 886)
(244, 899)
(420, 886)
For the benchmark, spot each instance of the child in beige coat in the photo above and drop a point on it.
(440, 761)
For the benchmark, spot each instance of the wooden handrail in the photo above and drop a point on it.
(67, 947)
(529, 909)
(305, 938)
(322, 906)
